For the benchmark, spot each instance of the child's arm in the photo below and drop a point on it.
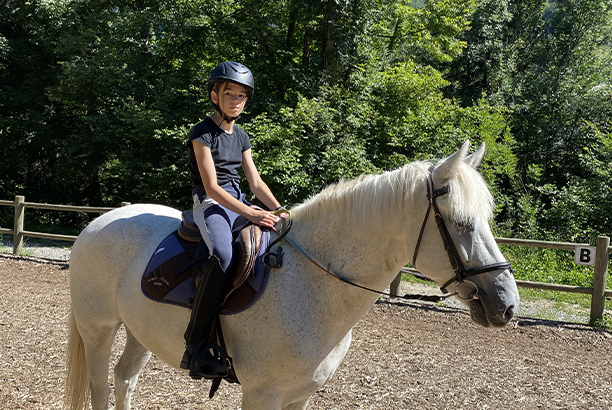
(206, 166)
(257, 185)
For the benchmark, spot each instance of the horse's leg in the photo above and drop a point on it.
(254, 401)
(98, 342)
(300, 405)
(262, 398)
(281, 387)
(133, 359)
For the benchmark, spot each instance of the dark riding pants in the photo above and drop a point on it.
(216, 224)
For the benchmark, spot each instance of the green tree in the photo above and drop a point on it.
(342, 88)
(27, 66)
(548, 62)
(395, 117)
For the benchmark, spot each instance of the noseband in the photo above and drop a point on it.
(461, 273)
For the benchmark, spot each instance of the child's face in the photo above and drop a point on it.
(231, 98)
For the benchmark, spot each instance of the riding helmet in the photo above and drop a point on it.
(234, 72)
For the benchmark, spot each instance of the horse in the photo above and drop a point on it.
(290, 342)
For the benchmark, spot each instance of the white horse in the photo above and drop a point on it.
(289, 343)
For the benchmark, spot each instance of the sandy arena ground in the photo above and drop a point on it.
(404, 355)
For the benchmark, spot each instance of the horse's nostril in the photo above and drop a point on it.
(510, 312)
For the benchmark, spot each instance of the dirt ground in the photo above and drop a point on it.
(403, 355)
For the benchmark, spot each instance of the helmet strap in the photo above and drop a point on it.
(224, 117)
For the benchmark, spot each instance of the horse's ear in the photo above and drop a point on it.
(474, 159)
(446, 168)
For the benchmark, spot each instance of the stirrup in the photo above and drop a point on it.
(208, 361)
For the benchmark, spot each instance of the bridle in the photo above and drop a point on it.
(274, 260)
(461, 273)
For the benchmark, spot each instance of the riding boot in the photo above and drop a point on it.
(203, 356)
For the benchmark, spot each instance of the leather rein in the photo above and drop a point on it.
(274, 260)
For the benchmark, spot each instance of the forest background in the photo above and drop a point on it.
(97, 98)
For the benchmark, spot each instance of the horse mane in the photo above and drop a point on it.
(372, 198)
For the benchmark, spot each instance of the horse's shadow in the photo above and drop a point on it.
(518, 321)
(49, 261)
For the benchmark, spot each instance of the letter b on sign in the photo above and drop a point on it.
(585, 255)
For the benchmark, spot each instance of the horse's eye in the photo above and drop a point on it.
(463, 225)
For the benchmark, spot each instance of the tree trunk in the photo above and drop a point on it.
(329, 42)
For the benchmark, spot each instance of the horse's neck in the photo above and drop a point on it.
(366, 240)
(349, 253)
(368, 225)
(369, 257)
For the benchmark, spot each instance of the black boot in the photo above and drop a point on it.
(203, 356)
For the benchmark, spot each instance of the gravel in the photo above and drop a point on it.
(47, 250)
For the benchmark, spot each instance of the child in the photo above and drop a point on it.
(217, 147)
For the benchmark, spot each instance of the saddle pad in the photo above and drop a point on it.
(165, 279)
(168, 277)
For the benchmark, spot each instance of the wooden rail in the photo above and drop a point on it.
(559, 288)
(520, 283)
(598, 292)
(20, 206)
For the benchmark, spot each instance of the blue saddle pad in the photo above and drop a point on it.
(165, 279)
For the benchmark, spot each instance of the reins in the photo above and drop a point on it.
(428, 298)
(274, 260)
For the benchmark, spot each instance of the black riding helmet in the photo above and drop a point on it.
(236, 73)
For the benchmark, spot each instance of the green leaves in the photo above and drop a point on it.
(548, 64)
(393, 117)
(425, 31)
(97, 97)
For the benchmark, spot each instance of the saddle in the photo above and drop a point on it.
(171, 275)
(247, 247)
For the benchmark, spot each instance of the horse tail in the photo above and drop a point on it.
(77, 379)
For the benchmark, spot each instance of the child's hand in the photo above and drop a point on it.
(261, 217)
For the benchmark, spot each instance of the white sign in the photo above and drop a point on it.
(585, 255)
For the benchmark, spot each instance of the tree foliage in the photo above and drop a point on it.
(549, 64)
(97, 97)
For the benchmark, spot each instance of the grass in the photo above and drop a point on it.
(605, 322)
(547, 265)
(24, 251)
(555, 266)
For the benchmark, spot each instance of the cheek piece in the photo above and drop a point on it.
(464, 288)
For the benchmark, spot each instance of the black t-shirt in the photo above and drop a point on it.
(226, 150)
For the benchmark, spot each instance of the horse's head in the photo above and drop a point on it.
(456, 247)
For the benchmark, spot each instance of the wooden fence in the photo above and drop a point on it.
(20, 206)
(598, 292)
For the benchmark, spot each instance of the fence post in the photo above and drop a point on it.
(18, 225)
(396, 285)
(598, 300)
